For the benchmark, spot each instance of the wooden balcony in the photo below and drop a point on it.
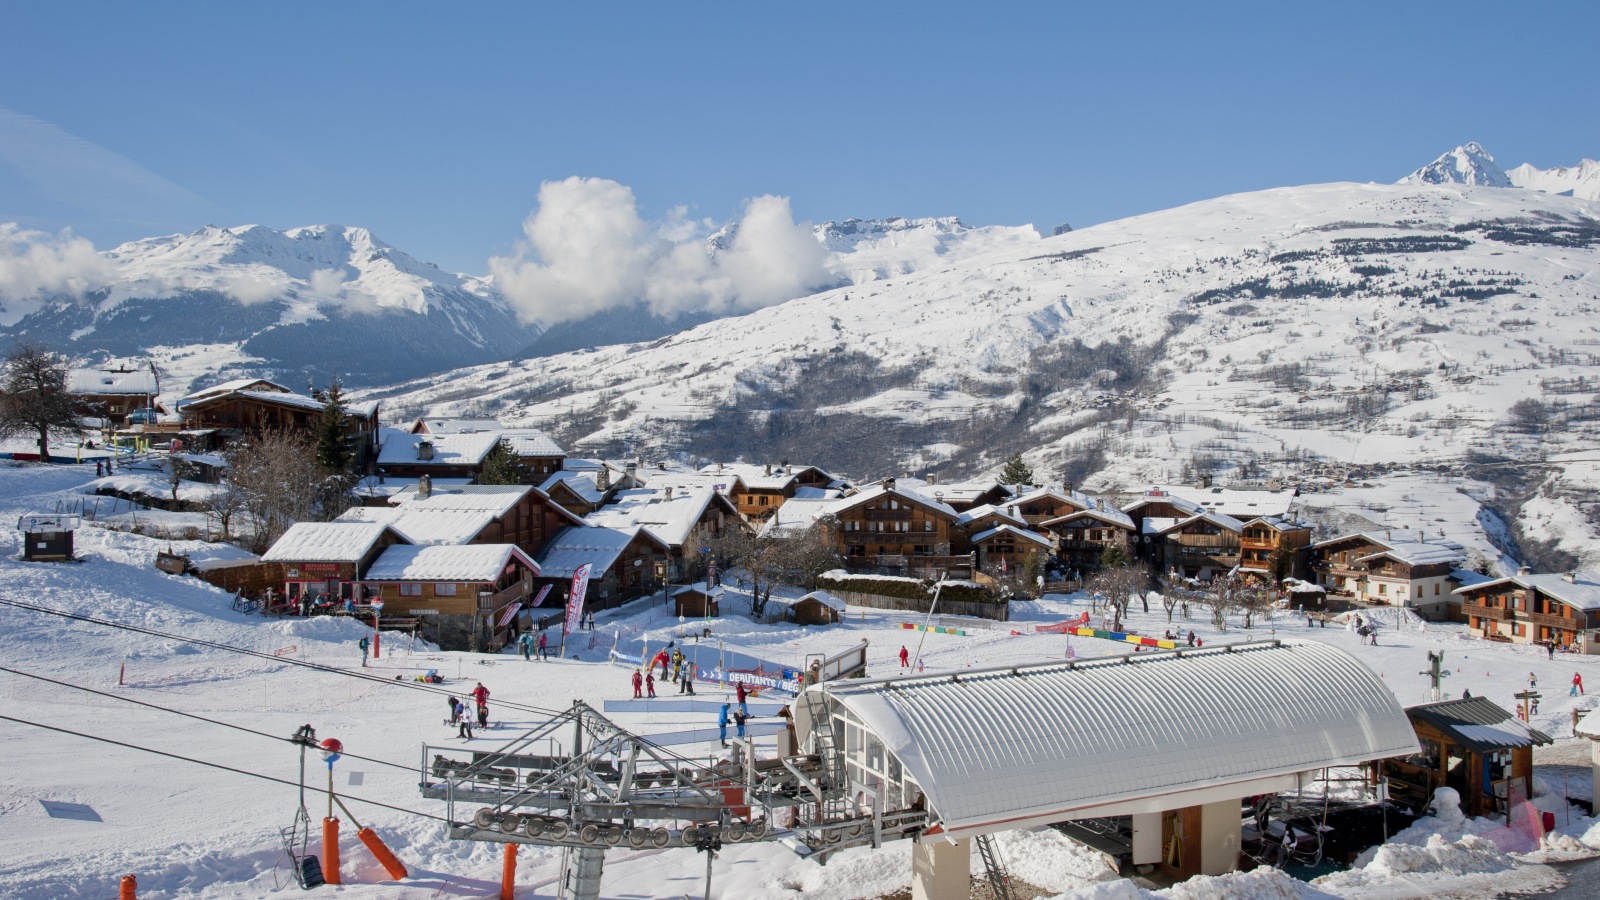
(1493, 613)
(1565, 623)
(1207, 540)
(891, 537)
(886, 515)
(496, 601)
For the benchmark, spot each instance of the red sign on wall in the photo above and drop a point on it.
(319, 567)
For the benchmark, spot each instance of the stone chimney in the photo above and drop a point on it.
(425, 450)
(1569, 577)
(1067, 486)
(1524, 570)
(888, 484)
(933, 477)
(667, 495)
(632, 472)
(769, 468)
(602, 478)
(425, 487)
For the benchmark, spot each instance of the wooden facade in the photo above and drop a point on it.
(1082, 538)
(1264, 536)
(757, 495)
(1203, 546)
(1372, 568)
(454, 598)
(240, 412)
(892, 532)
(695, 602)
(318, 579)
(1527, 612)
(1457, 753)
(1039, 507)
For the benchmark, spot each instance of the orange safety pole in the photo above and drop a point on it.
(330, 850)
(395, 868)
(130, 884)
(509, 875)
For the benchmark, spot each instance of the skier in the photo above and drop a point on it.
(739, 694)
(1533, 681)
(98, 473)
(1466, 694)
(544, 648)
(465, 729)
(638, 685)
(905, 658)
(363, 645)
(1577, 685)
(455, 709)
(650, 683)
(483, 714)
(722, 725)
(480, 694)
(525, 646)
(738, 720)
(688, 680)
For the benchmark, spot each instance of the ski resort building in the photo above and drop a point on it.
(458, 456)
(1044, 504)
(989, 750)
(113, 394)
(1472, 745)
(326, 561)
(760, 490)
(961, 496)
(1396, 568)
(238, 407)
(622, 564)
(470, 514)
(1526, 608)
(1202, 546)
(481, 579)
(1265, 536)
(888, 531)
(1083, 536)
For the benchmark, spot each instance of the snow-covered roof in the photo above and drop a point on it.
(1588, 726)
(1413, 553)
(1279, 523)
(455, 426)
(823, 597)
(756, 478)
(425, 526)
(1469, 578)
(483, 563)
(716, 591)
(1479, 724)
(531, 442)
(671, 521)
(955, 492)
(1153, 525)
(326, 542)
(580, 483)
(1582, 592)
(448, 449)
(599, 547)
(1011, 531)
(808, 492)
(99, 381)
(1386, 538)
(1157, 495)
(986, 510)
(878, 492)
(1105, 512)
(1242, 504)
(1296, 586)
(210, 557)
(1034, 743)
(1227, 523)
(1053, 492)
(795, 516)
(237, 384)
(361, 409)
(491, 498)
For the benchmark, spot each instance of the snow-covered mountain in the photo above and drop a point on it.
(307, 302)
(1582, 180)
(1295, 332)
(1467, 164)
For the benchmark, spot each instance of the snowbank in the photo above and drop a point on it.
(1262, 884)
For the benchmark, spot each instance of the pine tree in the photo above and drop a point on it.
(1113, 558)
(1016, 471)
(333, 447)
(501, 467)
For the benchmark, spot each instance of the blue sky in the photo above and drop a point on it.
(434, 125)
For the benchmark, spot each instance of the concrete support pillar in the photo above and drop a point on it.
(1146, 838)
(581, 881)
(1594, 763)
(941, 870)
(1219, 837)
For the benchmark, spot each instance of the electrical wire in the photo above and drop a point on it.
(201, 762)
(178, 712)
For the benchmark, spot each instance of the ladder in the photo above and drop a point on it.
(993, 867)
(826, 741)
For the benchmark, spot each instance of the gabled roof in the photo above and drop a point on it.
(496, 499)
(448, 449)
(237, 384)
(715, 591)
(1236, 502)
(1010, 746)
(1108, 514)
(1582, 592)
(671, 521)
(1011, 531)
(328, 542)
(878, 492)
(138, 383)
(455, 426)
(483, 563)
(290, 399)
(1415, 554)
(756, 477)
(1478, 724)
(822, 597)
(1386, 538)
(795, 516)
(1278, 523)
(580, 483)
(1157, 495)
(1227, 523)
(599, 547)
(988, 509)
(530, 442)
(425, 526)
(1051, 492)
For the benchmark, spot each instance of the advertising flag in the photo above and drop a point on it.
(580, 584)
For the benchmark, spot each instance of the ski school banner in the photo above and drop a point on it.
(543, 593)
(580, 585)
(934, 629)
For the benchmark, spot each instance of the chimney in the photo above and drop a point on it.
(424, 487)
(933, 477)
(769, 468)
(668, 495)
(888, 484)
(602, 478)
(424, 450)
(1067, 486)
(632, 472)
(1205, 481)
(719, 468)
(1524, 570)
(788, 469)
(1569, 577)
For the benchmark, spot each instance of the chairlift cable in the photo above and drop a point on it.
(178, 712)
(201, 762)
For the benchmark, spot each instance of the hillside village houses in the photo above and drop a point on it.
(115, 394)
(234, 408)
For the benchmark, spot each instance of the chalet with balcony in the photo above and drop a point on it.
(1083, 536)
(1393, 567)
(112, 394)
(253, 405)
(1265, 536)
(1202, 546)
(1159, 503)
(480, 584)
(1005, 547)
(885, 530)
(622, 565)
(961, 496)
(1525, 608)
(435, 515)
(1242, 503)
(327, 561)
(1044, 504)
(536, 450)
(980, 519)
(681, 519)
(758, 491)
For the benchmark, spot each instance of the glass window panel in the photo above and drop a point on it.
(874, 754)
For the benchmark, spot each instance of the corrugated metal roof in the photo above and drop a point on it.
(1005, 744)
(1479, 724)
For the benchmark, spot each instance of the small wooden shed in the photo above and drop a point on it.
(815, 608)
(1472, 745)
(47, 538)
(696, 602)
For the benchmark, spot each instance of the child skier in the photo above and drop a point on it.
(638, 683)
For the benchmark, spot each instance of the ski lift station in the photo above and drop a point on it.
(1173, 741)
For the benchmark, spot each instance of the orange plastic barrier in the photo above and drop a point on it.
(130, 884)
(330, 851)
(396, 869)
(508, 876)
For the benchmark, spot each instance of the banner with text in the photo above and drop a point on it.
(580, 584)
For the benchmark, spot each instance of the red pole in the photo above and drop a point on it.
(130, 884)
(122, 673)
(375, 634)
(508, 875)
(330, 850)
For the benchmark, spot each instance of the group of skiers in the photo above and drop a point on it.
(673, 664)
(531, 648)
(458, 710)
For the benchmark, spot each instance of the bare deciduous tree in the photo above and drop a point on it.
(36, 401)
(276, 474)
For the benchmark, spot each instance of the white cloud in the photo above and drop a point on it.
(35, 264)
(330, 285)
(256, 286)
(588, 250)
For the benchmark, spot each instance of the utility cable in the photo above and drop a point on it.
(201, 762)
(178, 712)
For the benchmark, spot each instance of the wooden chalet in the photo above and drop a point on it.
(328, 560)
(1043, 504)
(536, 450)
(682, 518)
(1526, 608)
(112, 394)
(624, 564)
(1393, 567)
(1471, 745)
(1202, 546)
(489, 583)
(1264, 536)
(253, 405)
(1007, 547)
(980, 519)
(696, 601)
(964, 496)
(889, 531)
(582, 491)
(1083, 536)
(438, 456)
(455, 426)
(757, 491)
(520, 515)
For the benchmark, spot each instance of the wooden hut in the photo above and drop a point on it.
(696, 602)
(815, 608)
(1472, 745)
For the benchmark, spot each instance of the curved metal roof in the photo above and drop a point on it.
(994, 745)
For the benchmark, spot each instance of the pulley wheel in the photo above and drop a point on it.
(484, 818)
(589, 834)
(510, 823)
(613, 835)
(558, 829)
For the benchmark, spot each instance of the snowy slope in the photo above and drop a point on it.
(252, 300)
(1291, 332)
(1467, 164)
(1582, 180)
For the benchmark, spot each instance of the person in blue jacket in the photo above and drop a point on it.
(722, 725)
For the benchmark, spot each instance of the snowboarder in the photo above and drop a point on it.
(739, 694)
(905, 658)
(650, 683)
(638, 685)
(722, 725)
(363, 644)
(1577, 685)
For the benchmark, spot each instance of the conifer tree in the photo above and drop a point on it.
(1016, 471)
(501, 467)
(333, 446)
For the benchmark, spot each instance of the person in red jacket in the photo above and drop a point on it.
(650, 683)
(1577, 683)
(480, 694)
(739, 695)
(638, 683)
(905, 658)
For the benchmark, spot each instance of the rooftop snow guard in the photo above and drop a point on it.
(1057, 741)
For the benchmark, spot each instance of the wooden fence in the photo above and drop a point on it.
(1000, 611)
